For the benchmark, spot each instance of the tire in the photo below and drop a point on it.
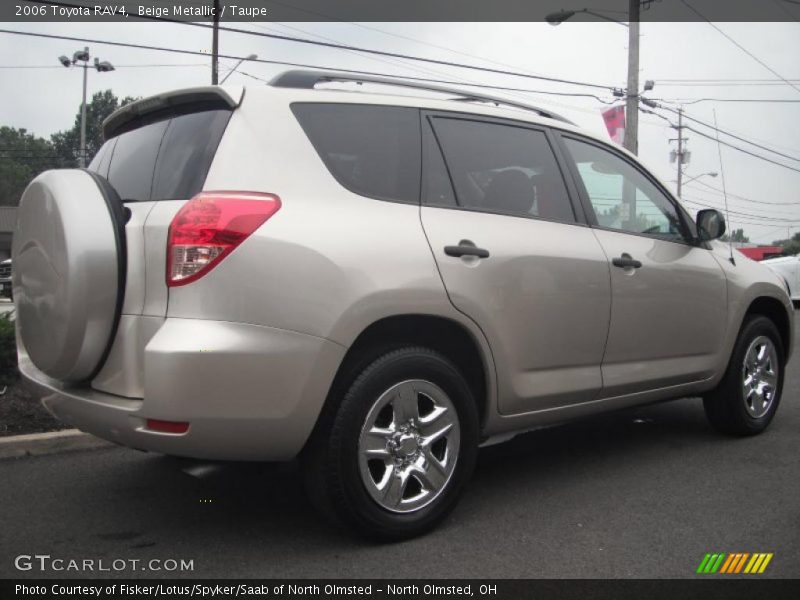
(728, 408)
(361, 489)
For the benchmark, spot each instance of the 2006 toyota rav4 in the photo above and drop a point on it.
(376, 283)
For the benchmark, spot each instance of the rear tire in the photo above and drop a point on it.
(391, 460)
(746, 399)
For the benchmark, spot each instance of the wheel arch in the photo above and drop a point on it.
(775, 311)
(444, 335)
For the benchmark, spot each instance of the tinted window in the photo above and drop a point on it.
(165, 160)
(371, 150)
(437, 189)
(621, 196)
(503, 168)
(134, 160)
(186, 153)
(100, 157)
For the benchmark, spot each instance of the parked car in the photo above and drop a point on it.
(5, 279)
(377, 284)
(788, 269)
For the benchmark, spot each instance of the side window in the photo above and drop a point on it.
(437, 190)
(621, 196)
(503, 168)
(134, 161)
(189, 146)
(371, 150)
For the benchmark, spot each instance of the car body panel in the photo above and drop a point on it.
(668, 318)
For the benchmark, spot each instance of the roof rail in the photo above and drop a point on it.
(309, 79)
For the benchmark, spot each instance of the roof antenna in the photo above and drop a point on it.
(724, 190)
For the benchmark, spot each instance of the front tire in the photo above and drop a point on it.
(393, 458)
(746, 399)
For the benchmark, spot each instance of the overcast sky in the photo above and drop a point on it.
(45, 100)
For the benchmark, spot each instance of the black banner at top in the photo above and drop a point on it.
(596, 11)
(383, 589)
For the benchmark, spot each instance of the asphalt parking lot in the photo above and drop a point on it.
(643, 493)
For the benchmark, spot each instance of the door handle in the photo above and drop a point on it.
(626, 262)
(465, 248)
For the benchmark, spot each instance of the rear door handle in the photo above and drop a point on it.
(465, 248)
(626, 262)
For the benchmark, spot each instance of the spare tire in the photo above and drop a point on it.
(69, 272)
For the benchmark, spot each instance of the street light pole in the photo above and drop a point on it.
(82, 161)
(229, 73)
(632, 102)
(101, 67)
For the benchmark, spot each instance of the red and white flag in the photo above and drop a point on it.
(614, 118)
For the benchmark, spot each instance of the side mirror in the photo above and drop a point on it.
(710, 224)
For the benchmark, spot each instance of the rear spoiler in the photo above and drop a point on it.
(182, 100)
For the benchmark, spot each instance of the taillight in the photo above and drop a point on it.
(209, 227)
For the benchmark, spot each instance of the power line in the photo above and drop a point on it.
(115, 66)
(728, 133)
(740, 149)
(692, 200)
(705, 135)
(696, 100)
(338, 46)
(738, 45)
(718, 192)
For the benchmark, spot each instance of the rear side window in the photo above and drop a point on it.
(186, 154)
(134, 160)
(371, 150)
(503, 169)
(165, 160)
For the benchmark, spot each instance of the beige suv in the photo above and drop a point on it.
(377, 284)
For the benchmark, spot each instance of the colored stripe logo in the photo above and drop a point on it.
(738, 562)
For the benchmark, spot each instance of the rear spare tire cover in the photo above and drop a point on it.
(68, 279)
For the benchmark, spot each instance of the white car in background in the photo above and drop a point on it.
(788, 267)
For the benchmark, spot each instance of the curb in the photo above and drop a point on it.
(52, 442)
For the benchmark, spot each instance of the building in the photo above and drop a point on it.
(761, 252)
(8, 222)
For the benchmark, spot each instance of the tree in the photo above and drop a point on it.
(67, 143)
(22, 157)
(737, 235)
(791, 245)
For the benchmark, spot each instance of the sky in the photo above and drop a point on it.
(45, 100)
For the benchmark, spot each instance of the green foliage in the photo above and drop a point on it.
(22, 157)
(790, 245)
(8, 350)
(67, 144)
(737, 235)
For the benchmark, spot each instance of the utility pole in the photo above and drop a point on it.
(681, 156)
(215, 46)
(680, 150)
(632, 102)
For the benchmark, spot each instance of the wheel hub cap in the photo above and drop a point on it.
(408, 446)
(760, 373)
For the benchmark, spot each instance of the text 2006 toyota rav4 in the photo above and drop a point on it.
(377, 284)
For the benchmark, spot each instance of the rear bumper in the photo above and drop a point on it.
(248, 392)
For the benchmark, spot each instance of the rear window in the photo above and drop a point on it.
(164, 160)
(371, 150)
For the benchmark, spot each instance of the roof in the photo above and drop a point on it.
(8, 219)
